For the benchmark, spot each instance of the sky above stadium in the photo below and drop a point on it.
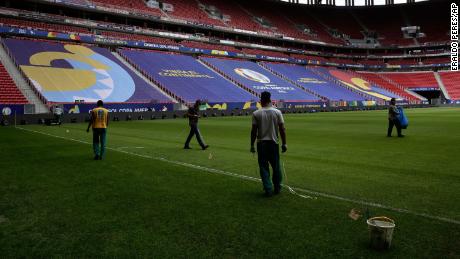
(362, 2)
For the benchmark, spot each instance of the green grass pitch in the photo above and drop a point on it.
(55, 201)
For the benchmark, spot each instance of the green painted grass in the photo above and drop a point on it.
(56, 201)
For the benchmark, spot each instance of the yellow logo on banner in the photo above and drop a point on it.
(74, 110)
(363, 86)
(219, 52)
(357, 83)
(220, 107)
(57, 79)
(248, 105)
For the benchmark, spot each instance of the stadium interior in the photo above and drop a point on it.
(341, 74)
(303, 54)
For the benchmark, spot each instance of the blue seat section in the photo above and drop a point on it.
(314, 82)
(256, 78)
(186, 77)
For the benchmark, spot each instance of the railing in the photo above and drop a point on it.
(330, 79)
(144, 73)
(323, 98)
(231, 79)
(371, 81)
(24, 76)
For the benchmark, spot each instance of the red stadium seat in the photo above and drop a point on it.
(9, 93)
(451, 81)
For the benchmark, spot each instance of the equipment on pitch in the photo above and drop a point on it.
(402, 118)
(380, 232)
(292, 190)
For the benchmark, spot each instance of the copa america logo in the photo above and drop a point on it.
(252, 75)
(6, 111)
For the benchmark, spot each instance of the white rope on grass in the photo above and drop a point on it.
(250, 178)
(292, 190)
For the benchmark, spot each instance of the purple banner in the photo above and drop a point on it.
(11, 109)
(254, 77)
(118, 107)
(186, 77)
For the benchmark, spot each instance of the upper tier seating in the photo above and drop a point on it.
(9, 93)
(189, 9)
(265, 52)
(307, 57)
(430, 17)
(193, 44)
(279, 23)
(342, 20)
(451, 80)
(203, 45)
(138, 5)
(299, 16)
(403, 61)
(439, 60)
(371, 62)
(140, 37)
(42, 25)
(238, 18)
(388, 28)
(435, 29)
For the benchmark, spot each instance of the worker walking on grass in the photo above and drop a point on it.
(393, 120)
(99, 120)
(267, 123)
(193, 117)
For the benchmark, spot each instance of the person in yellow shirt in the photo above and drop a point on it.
(99, 120)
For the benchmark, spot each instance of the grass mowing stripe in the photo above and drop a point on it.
(218, 171)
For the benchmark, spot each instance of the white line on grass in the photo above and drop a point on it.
(120, 148)
(218, 171)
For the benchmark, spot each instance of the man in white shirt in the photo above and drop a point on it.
(267, 123)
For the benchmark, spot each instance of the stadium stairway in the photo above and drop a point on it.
(450, 81)
(356, 18)
(327, 29)
(393, 83)
(32, 96)
(141, 75)
(262, 64)
(337, 82)
(441, 85)
(374, 83)
(158, 84)
(208, 65)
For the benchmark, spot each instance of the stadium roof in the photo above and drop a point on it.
(352, 2)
